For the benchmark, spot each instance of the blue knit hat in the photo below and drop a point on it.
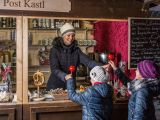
(148, 69)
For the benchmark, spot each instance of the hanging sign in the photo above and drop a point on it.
(36, 5)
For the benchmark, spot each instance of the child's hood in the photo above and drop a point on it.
(104, 90)
(155, 88)
(152, 84)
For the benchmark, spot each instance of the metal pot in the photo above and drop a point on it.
(103, 58)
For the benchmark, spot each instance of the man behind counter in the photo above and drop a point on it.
(65, 52)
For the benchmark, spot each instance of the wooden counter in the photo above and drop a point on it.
(52, 110)
(65, 110)
(10, 111)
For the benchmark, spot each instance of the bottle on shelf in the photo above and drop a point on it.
(14, 58)
(35, 23)
(1, 56)
(13, 64)
(43, 23)
(10, 22)
(4, 22)
(14, 23)
(0, 22)
(76, 23)
(48, 23)
(56, 23)
(52, 24)
(13, 35)
(40, 23)
(7, 56)
(91, 56)
(44, 55)
(30, 38)
(59, 23)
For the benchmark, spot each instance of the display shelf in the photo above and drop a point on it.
(11, 55)
(44, 29)
(34, 87)
(7, 41)
(79, 29)
(34, 66)
(40, 46)
(8, 28)
(46, 71)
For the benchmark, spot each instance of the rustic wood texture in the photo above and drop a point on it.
(108, 9)
(19, 87)
(57, 110)
(65, 110)
(25, 60)
(9, 111)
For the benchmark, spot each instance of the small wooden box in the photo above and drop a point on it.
(61, 96)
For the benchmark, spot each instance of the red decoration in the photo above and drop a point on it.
(71, 68)
(110, 56)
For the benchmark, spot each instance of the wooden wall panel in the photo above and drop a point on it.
(7, 114)
(57, 113)
(65, 110)
(10, 111)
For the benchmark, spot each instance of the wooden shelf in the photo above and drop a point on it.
(45, 29)
(34, 66)
(33, 86)
(81, 78)
(8, 28)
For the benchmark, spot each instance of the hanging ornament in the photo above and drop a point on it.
(103, 58)
(111, 56)
(71, 68)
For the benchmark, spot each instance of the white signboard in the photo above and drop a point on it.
(36, 5)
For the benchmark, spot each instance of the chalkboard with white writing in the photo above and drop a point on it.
(144, 40)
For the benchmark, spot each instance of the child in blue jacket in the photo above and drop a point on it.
(96, 101)
(143, 89)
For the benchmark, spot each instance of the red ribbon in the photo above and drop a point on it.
(5, 73)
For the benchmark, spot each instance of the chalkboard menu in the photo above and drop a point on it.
(144, 40)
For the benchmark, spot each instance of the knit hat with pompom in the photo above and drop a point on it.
(98, 74)
(148, 69)
(67, 28)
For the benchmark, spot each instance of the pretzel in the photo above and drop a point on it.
(38, 78)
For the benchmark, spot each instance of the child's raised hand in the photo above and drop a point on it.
(67, 77)
(106, 67)
(112, 65)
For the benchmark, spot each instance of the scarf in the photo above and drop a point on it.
(136, 84)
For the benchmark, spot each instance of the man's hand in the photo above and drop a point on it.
(67, 77)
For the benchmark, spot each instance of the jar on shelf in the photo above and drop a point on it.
(7, 56)
(1, 56)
